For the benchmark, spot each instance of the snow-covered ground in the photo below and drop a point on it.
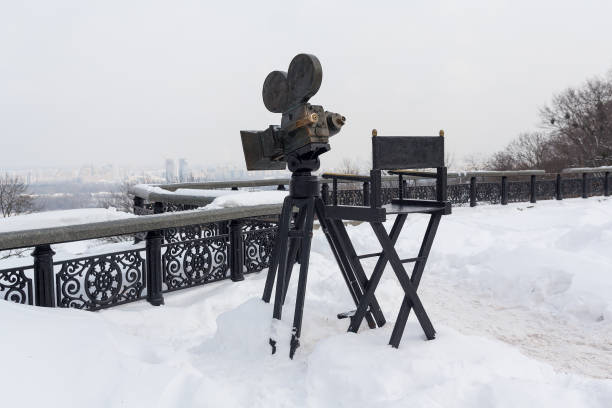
(520, 295)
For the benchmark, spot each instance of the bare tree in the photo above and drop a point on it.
(120, 199)
(580, 123)
(348, 166)
(14, 197)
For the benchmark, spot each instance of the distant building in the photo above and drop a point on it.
(183, 171)
(170, 171)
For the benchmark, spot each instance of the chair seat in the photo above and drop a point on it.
(403, 206)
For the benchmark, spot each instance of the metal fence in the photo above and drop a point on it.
(176, 248)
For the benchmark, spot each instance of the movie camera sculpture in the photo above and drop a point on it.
(297, 143)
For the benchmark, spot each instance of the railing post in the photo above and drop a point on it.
(607, 184)
(585, 190)
(44, 276)
(366, 193)
(325, 193)
(559, 187)
(138, 210)
(400, 187)
(154, 267)
(532, 189)
(236, 250)
(441, 184)
(335, 192)
(223, 227)
(472, 191)
(504, 190)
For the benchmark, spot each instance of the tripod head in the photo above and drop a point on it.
(305, 129)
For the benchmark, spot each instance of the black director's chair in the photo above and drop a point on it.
(401, 155)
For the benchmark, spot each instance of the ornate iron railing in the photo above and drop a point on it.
(172, 257)
(176, 249)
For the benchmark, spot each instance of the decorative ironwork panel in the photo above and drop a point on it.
(258, 245)
(15, 286)
(172, 207)
(488, 192)
(100, 281)
(518, 191)
(571, 188)
(546, 189)
(459, 193)
(422, 192)
(191, 232)
(597, 186)
(195, 262)
(350, 197)
(253, 224)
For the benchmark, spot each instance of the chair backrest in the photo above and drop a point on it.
(407, 152)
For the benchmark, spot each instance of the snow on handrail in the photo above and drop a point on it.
(79, 232)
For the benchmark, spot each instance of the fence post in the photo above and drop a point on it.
(44, 276)
(366, 193)
(472, 191)
(400, 187)
(223, 227)
(236, 251)
(559, 187)
(335, 192)
(441, 184)
(532, 189)
(607, 184)
(154, 267)
(138, 210)
(325, 193)
(504, 190)
(585, 191)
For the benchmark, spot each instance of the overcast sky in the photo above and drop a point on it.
(137, 81)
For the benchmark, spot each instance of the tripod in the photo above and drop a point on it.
(293, 245)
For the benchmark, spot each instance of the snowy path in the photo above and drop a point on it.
(580, 349)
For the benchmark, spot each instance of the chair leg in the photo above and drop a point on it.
(355, 264)
(402, 276)
(417, 273)
(375, 277)
(341, 259)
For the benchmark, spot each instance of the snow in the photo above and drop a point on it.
(519, 295)
(50, 219)
(204, 193)
(247, 198)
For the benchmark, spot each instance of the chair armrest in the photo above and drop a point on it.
(349, 177)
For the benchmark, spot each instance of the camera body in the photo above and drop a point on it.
(304, 128)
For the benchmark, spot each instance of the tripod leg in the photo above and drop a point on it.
(294, 243)
(301, 292)
(285, 214)
(283, 233)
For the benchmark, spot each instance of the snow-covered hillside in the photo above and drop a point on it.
(520, 296)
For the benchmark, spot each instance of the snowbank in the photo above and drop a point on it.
(49, 219)
(247, 198)
(532, 276)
